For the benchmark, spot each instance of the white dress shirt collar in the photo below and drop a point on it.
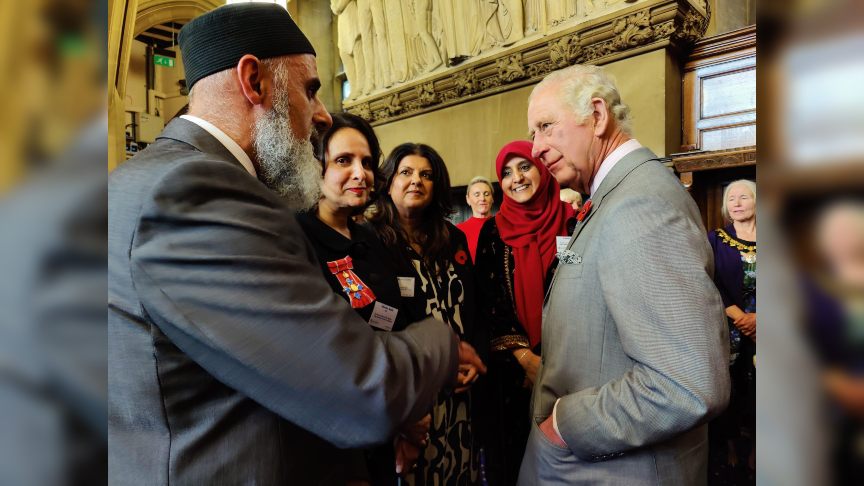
(225, 140)
(612, 159)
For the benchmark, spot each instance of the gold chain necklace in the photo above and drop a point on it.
(735, 243)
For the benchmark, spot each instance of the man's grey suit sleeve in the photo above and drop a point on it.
(655, 277)
(223, 269)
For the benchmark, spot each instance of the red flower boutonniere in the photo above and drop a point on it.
(461, 257)
(586, 208)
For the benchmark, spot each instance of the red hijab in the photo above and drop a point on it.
(530, 229)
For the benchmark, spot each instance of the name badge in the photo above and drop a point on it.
(406, 286)
(383, 316)
(561, 243)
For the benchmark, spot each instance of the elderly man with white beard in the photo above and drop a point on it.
(230, 359)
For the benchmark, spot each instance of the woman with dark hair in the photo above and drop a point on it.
(435, 278)
(351, 153)
(354, 261)
(516, 255)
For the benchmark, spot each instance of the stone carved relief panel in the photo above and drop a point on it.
(444, 69)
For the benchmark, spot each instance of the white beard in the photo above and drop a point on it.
(286, 164)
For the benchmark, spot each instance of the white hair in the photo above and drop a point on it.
(570, 196)
(477, 180)
(750, 185)
(286, 164)
(579, 83)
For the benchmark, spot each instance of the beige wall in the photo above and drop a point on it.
(136, 92)
(168, 100)
(316, 21)
(166, 81)
(729, 15)
(468, 136)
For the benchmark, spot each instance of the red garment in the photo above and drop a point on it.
(530, 229)
(471, 228)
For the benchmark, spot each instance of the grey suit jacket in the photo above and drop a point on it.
(634, 340)
(231, 361)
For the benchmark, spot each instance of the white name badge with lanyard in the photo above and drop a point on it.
(406, 286)
(383, 316)
(561, 243)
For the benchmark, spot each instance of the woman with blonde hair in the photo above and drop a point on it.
(733, 453)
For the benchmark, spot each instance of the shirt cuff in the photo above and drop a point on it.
(555, 420)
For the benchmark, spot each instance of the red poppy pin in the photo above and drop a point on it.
(461, 257)
(583, 211)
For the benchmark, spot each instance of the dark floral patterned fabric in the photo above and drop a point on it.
(508, 391)
(732, 434)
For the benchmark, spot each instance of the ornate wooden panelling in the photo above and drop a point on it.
(720, 92)
(719, 119)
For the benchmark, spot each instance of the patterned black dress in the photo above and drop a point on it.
(452, 456)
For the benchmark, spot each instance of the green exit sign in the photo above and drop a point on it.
(163, 61)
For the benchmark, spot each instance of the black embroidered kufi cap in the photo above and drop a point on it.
(218, 39)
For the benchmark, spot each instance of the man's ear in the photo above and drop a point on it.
(250, 72)
(600, 116)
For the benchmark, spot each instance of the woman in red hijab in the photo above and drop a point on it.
(516, 256)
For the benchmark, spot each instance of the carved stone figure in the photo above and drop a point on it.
(533, 15)
(558, 11)
(350, 49)
(425, 56)
(511, 20)
(383, 75)
(396, 40)
(501, 22)
(489, 24)
(366, 75)
(458, 21)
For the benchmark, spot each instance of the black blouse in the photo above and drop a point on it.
(372, 263)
